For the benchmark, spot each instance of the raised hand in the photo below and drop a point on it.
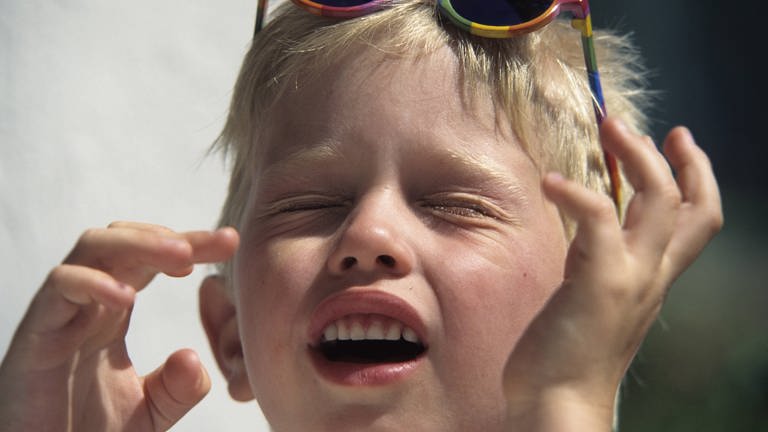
(67, 367)
(566, 369)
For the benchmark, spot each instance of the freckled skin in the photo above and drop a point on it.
(383, 160)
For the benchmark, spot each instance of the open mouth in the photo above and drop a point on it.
(371, 351)
(369, 339)
(366, 338)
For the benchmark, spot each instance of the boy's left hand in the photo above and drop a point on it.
(68, 368)
(565, 371)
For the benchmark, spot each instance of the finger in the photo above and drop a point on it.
(73, 305)
(134, 254)
(652, 213)
(694, 170)
(647, 167)
(157, 229)
(701, 215)
(175, 387)
(70, 287)
(208, 246)
(598, 232)
(212, 246)
(142, 226)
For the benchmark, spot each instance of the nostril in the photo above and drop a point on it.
(386, 260)
(348, 262)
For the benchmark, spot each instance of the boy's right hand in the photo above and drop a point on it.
(565, 370)
(67, 367)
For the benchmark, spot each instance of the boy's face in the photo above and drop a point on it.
(383, 206)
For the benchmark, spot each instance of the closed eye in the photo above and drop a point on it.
(307, 204)
(471, 211)
(464, 206)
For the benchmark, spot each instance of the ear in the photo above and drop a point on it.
(220, 323)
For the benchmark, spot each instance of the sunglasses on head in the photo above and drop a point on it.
(492, 19)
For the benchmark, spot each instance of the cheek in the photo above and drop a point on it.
(497, 290)
(499, 297)
(487, 302)
(270, 274)
(271, 280)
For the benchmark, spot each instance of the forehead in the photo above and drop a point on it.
(370, 96)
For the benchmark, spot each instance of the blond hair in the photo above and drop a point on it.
(538, 80)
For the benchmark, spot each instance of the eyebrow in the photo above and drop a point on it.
(485, 171)
(474, 168)
(326, 151)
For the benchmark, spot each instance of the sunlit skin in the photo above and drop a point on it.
(386, 159)
(378, 189)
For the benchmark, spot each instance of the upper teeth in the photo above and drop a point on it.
(368, 327)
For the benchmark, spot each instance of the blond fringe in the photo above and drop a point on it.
(537, 81)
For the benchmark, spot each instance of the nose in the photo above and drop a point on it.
(374, 240)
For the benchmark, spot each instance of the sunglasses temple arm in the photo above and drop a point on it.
(261, 12)
(585, 26)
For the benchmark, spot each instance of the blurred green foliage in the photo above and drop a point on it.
(704, 365)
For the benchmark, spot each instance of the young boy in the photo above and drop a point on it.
(408, 257)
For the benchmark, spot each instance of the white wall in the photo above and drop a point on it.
(106, 111)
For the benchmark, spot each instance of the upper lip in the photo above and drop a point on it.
(363, 302)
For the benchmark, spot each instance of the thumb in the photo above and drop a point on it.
(174, 388)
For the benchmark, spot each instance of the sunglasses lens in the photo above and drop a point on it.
(341, 8)
(342, 3)
(500, 12)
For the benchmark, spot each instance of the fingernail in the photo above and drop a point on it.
(688, 134)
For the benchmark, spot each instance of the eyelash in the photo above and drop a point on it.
(464, 208)
(457, 207)
(300, 205)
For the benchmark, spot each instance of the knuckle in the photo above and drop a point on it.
(714, 221)
(89, 235)
(637, 293)
(603, 209)
(621, 294)
(86, 241)
(648, 141)
(58, 275)
(671, 194)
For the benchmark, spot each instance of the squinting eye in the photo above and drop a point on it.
(461, 205)
(309, 204)
(462, 210)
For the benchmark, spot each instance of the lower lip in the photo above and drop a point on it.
(363, 374)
